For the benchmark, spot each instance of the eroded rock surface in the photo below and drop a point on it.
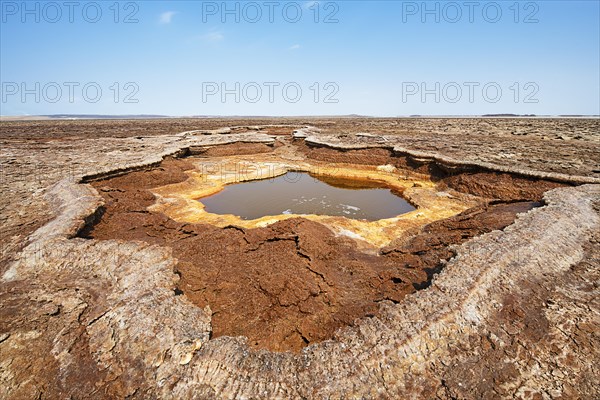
(513, 314)
(294, 282)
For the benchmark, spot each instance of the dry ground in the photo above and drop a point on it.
(515, 312)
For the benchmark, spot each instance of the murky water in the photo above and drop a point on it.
(301, 193)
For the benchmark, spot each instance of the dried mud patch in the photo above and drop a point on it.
(500, 186)
(291, 283)
(232, 149)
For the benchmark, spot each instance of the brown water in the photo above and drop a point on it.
(301, 193)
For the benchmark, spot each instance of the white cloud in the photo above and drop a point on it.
(212, 37)
(295, 47)
(166, 17)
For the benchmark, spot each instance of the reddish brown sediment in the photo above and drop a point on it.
(501, 186)
(232, 149)
(486, 184)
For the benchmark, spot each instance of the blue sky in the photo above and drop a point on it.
(381, 58)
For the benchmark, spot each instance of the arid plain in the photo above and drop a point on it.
(115, 282)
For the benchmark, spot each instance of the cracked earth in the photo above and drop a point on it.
(113, 285)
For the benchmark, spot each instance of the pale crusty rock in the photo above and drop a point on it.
(303, 133)
(386, 168)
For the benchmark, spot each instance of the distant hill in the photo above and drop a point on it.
(509, 115)
(99, 116)
(578, 116)
(151, 116)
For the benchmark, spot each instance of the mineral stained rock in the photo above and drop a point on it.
(294, 282)
(514, 312)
